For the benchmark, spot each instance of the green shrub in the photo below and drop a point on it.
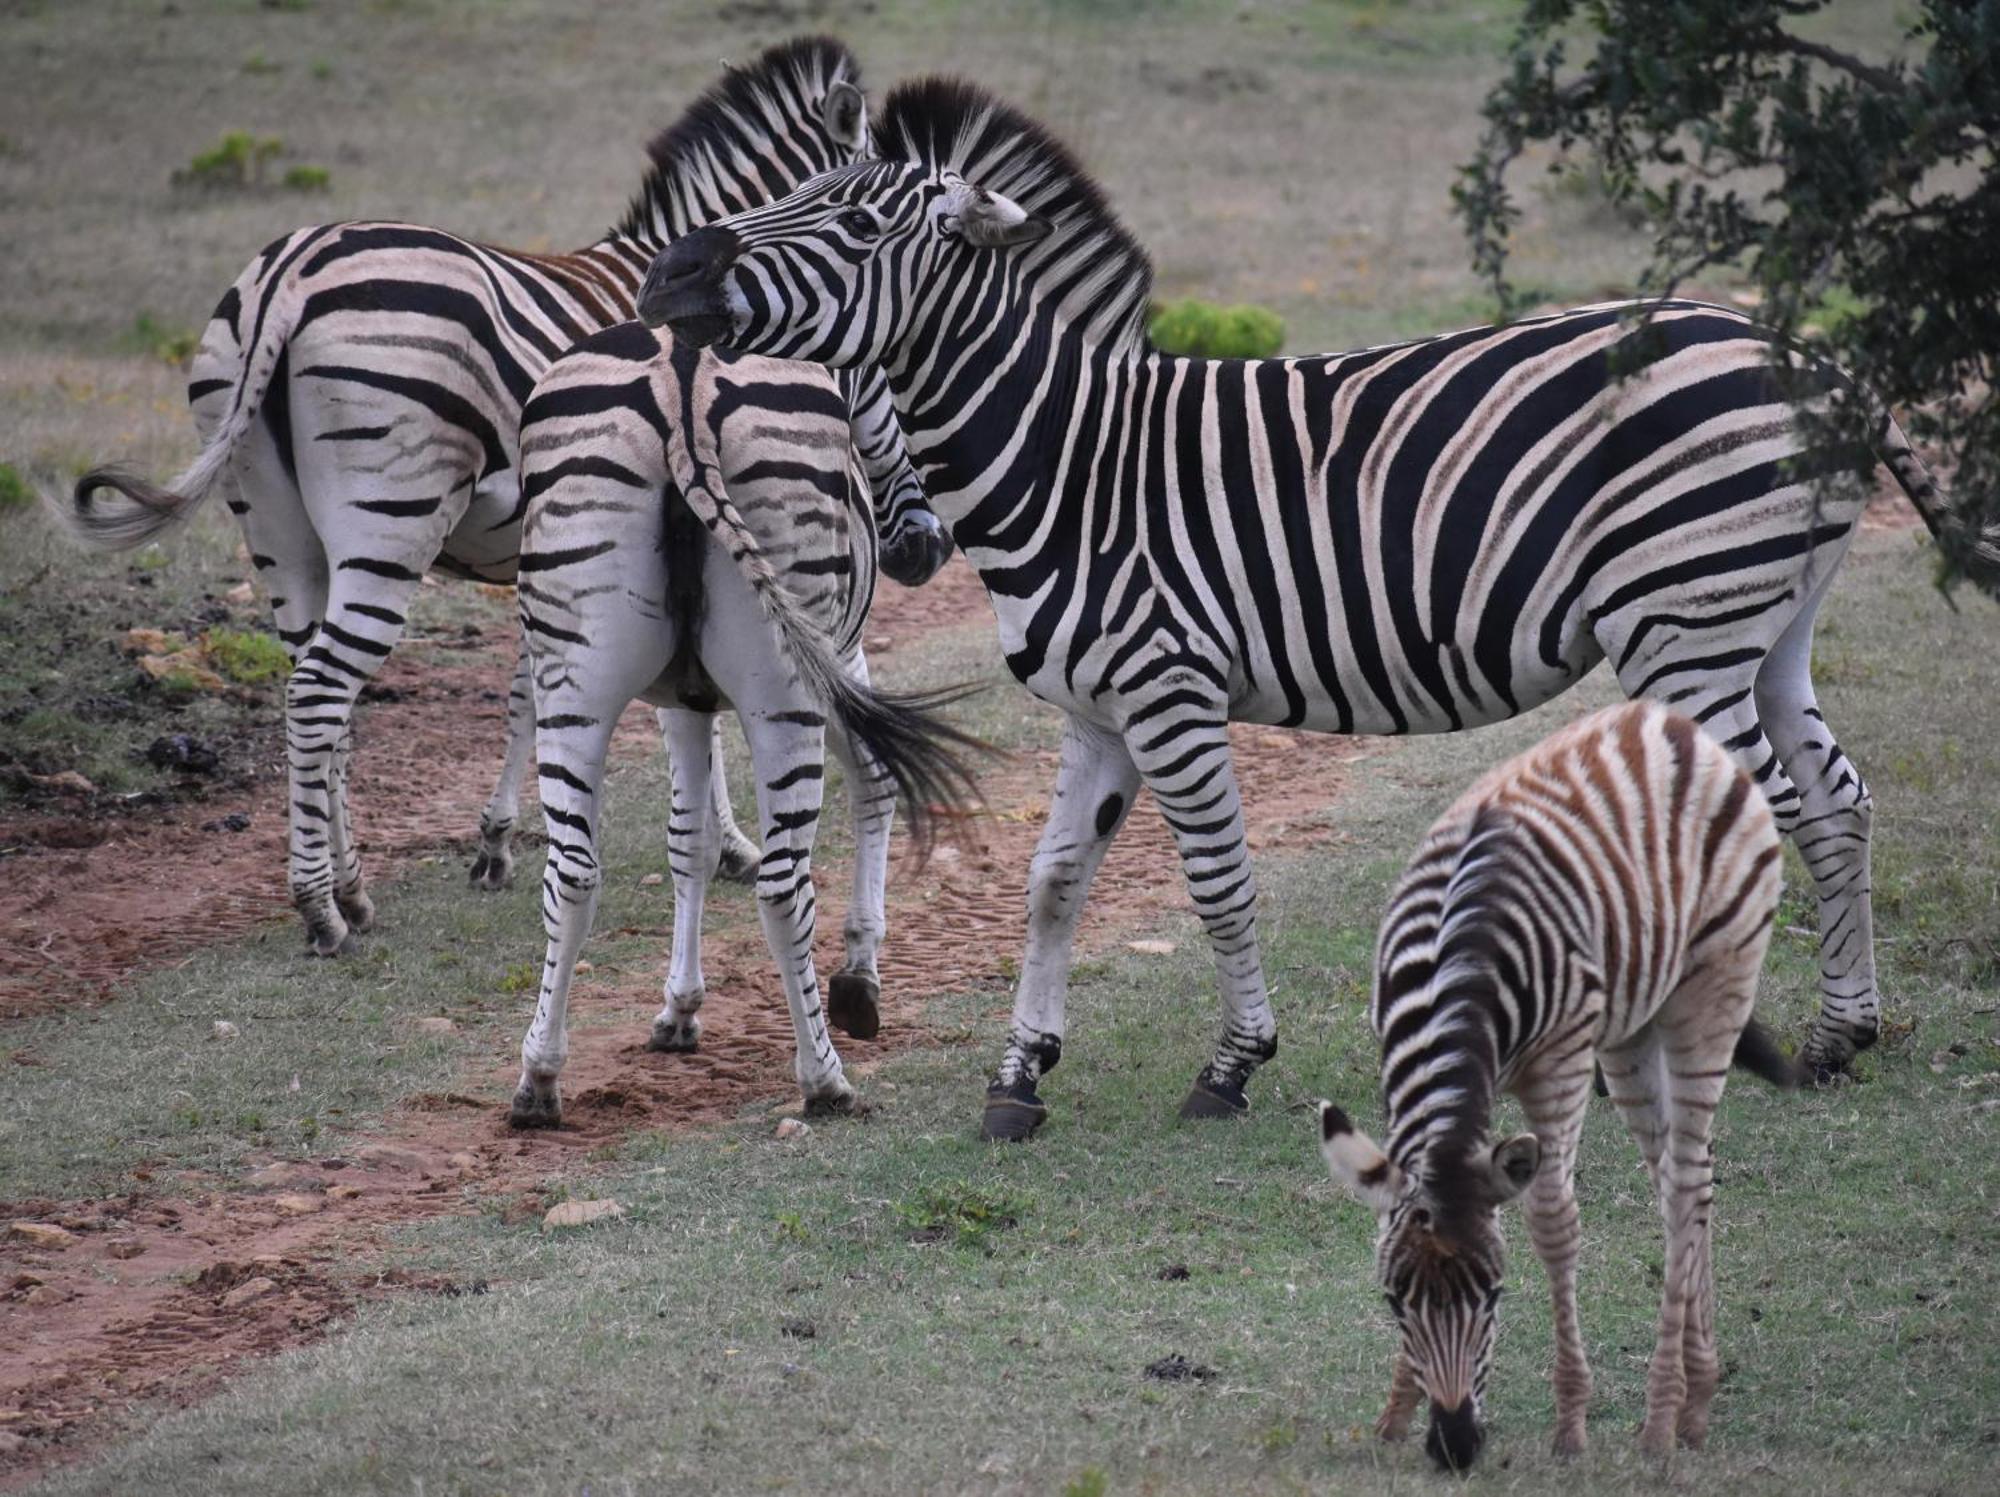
(308, 179)
(168, 345)
(236, 161)
(1204, 330)
(246, 656)
(15, 490)
(257, 64)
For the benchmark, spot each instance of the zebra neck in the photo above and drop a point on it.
(1440, 1073)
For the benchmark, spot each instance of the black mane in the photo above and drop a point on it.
(949, 123)
(737, 116)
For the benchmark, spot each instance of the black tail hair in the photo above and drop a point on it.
(1757, 1052)
(917, 749)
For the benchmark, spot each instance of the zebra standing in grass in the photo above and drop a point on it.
(1606, 896)
(623, 595)
(362, 384)
(1414, 538)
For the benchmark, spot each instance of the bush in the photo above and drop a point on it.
(246, 656)
(1204, 330)
(308, 179)
(235, 161)
(168, 345)
(15, 491)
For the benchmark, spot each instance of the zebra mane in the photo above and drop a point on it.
(738, 145)
(1099, 270)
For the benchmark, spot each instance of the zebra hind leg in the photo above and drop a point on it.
(1093, 795)
(738, 855)
(693, 846)
(493, 866)
(1830, 828)
(854, 993)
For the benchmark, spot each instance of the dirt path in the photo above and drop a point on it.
(158, 1297)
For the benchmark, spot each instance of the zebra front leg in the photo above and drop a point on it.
(853, 994)
(493, 868)
(693, 846)
(571, 774)
(1093, 795)
(787, 754)
(738, 854)
(1404, 1394)
(1188, 768)
(1555, 1095)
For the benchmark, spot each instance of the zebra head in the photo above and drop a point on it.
(1438, 1256)
(972, 220)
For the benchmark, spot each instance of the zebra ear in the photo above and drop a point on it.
(845, 112)
(989, 221)
(1513, 1166)
(1353, 1159)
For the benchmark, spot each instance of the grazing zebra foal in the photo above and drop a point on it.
(1415, 538)
(623, 595)
(1606, 895)
(361, 384)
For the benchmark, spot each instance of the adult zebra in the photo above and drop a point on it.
(624, 595)
(1414, 538)
(362, 383)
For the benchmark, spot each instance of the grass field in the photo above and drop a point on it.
(888, 1305)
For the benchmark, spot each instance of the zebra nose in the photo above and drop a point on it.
(1454, 1438)
(688, 264)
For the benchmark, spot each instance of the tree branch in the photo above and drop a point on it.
(1881, 79)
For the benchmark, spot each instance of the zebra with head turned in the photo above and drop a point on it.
(1414, 538)
(623, 594)
(362, 385)
(1607, 895)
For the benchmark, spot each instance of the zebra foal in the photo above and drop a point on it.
(1416, 538)
(1605, 897)
(359, 388)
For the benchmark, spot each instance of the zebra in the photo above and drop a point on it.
(1419, 537)
(1606, 895)
(388, 363)
(623, 595)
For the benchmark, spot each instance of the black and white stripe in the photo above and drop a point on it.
(1605, 897)
(1414, 538)
(362, 385)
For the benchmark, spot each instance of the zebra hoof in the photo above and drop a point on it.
(1012, 1114)
(491, 871)
(358, 910)
(680, 1037)
(536, 1106)
(836, 1104)
(323, 942)
(1211, 1098)
(739, 862)
(851, 1005)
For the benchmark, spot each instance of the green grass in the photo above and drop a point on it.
(980, 1319)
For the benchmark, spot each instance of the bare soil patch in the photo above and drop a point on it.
(159, 1295)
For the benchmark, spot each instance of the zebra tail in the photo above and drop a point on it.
(112, 508)
(1973, 549)
(1757, 1052)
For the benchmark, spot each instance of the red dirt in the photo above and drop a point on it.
(85, 1333)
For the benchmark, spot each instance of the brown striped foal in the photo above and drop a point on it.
(1604, 898)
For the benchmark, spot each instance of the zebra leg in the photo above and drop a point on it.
(1093, 795)
(693, 847)
(493, 868)
(788, 756)
(571, 773)
(739, 855)
(1829, 825)
(1555, 1098)
(1405, 1392)
(1189, 770)
(853, 994)
(350, 896)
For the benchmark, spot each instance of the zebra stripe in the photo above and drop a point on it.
(363, 384)
(1421, 537)
(1605, 897)
(624, 594)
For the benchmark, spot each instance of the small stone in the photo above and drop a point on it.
(298, 1205)
(437, 1024)
(391, 1157)
(10, 1442)
(463, 1162)
(793, 1128)
(583, 967)
(653, 880)
(222, 1029)
(124, 1247)
(281, 1176)
(248, 1292)
(40, 1234)
(344, 1192)
(243, 592)
(46, 1294)
(580, 1214)
(1151, 948)
(67, 781)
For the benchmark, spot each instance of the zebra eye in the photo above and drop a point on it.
(858, 222)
